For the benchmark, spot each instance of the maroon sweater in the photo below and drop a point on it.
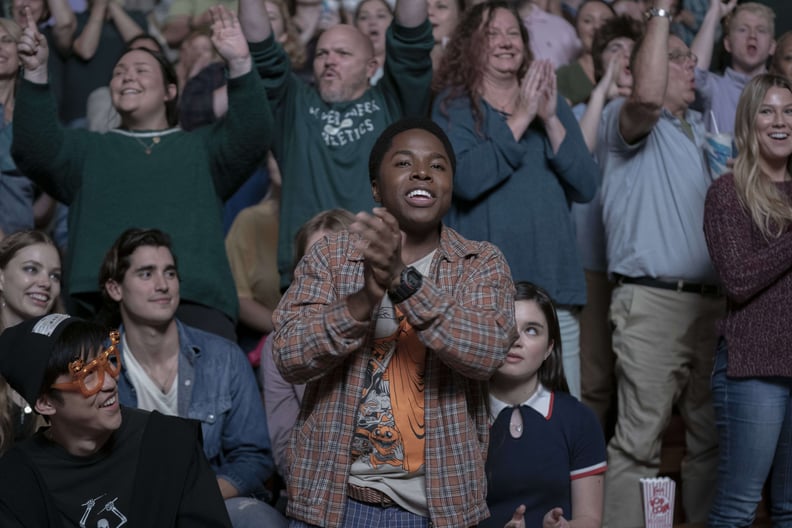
(757, 276)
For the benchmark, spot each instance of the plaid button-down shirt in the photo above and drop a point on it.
(464, 313)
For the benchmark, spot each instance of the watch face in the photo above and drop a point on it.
(412, 278)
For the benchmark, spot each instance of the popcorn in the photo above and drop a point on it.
(658, 502)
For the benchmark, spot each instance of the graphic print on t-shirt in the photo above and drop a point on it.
(101, 512)
(391, 427)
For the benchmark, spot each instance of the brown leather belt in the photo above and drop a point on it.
(369, 496)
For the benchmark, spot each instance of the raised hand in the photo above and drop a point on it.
(518, 518)
(548, 95)
(33, 50)
(229, 41)
(380, 243)
(530, 89)
(723, 9)
(555, 519)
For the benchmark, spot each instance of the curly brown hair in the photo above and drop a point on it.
(461, 69)
(622, 26)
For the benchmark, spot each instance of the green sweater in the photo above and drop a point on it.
(111, 184)
(323, 149)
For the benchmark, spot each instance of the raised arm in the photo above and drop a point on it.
(409, 13)
(64, 26)
(650, 74)
(33, 51)
(606, 89)
(255, 20)
(704, 42)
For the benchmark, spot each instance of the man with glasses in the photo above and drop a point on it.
(97, 464)
(179, 370)
(666, 300)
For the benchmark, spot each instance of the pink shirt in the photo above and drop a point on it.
(551, 37)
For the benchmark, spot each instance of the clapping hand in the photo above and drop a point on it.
(555, 519)
(548, 95)
(229, 41)
(518, 518)
(33, 50)
(380, 244)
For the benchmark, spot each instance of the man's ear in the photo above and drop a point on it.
(375, 191)
(371, 68)
(44, 405)
(113, 290)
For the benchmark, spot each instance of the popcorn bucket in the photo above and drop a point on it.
(658, 502)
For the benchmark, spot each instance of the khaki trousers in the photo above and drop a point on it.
(664, 342)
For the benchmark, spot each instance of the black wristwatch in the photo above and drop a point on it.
(409, 283)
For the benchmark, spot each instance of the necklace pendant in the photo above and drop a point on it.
(148, 151)
(155, 140)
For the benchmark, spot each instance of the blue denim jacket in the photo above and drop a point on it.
(217, 388)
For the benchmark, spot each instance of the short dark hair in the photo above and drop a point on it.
(385, 140)
(617, 27)
(117, 261)
(551, 372)
(79, 340)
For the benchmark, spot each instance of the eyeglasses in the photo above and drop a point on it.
(680, 57)
(89, 379)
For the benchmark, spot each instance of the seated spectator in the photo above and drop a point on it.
(749, 38)
(372, 18)
(282, 399)
(54, 18)
(179, 370)
(546, 449)
(98, 463)
(577, 79)
(30, 284)
(162, 176)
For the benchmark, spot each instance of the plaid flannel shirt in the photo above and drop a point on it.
(464, 314)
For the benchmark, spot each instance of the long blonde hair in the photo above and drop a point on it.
(770, 210)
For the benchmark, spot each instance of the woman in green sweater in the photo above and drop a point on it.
(148, 172)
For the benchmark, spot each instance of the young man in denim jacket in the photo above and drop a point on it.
(179, 370)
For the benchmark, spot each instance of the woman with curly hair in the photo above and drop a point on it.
(748, 224)
(521, 159)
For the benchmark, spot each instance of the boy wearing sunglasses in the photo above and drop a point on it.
(97, 464)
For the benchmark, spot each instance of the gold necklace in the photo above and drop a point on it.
(148, 146)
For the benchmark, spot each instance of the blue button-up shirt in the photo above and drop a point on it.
(217, 388)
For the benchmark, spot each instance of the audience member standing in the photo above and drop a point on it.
(395, 326)
(148, 171)
(323, 130)
(749, 38)
(666, 300)
(522, 159)
(747, 222)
